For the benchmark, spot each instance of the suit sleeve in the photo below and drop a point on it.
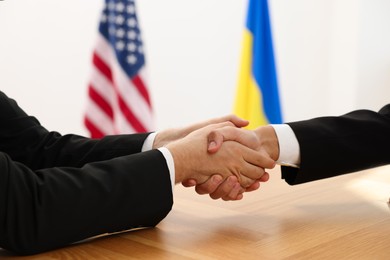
(331, 146)
(50, 208)
(26, 141)
(56, 190)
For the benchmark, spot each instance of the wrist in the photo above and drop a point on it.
(167, 136)
(268, 140)
(161, 139)
(177, 160)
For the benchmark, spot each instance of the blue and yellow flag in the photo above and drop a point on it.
(257, 98)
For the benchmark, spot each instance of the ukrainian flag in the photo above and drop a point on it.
(257, 98)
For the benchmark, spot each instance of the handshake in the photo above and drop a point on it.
(219, 157)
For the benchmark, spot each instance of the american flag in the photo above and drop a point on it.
(118, 98)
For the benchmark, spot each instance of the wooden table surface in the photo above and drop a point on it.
(345, 217)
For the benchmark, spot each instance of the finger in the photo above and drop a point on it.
(221, 121)
(189, 183)
(219, 135)
(249, 169)
(210, 185)
(225, 188)
(235, 193)
(253, 187)
(237, 121)
(257, 158)
(247, 177)
(222, 132)
(256, 184)
(239, 196)
(265, 177)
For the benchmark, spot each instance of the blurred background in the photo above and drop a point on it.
(332, 56)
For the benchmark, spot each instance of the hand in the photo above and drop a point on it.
(263, 139)
(166, 136)
(228, 189)
(193, 162)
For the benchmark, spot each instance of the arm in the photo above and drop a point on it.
(331, 146)
(43, 149)
(49, 208)
(42, 209)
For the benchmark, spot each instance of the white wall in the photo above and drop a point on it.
(332, 56)
(374, 50)
(193, 50)
(302, 40)
(45, 51)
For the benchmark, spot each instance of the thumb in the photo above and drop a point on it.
(189, 183)
(215, 140)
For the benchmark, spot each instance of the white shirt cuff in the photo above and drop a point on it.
(289, 152)
(148, 145)
(171, 165)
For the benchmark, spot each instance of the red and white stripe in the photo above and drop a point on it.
(117, 104)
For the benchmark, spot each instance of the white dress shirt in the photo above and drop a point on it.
(289, 152)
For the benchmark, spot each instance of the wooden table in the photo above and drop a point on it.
(346, 217)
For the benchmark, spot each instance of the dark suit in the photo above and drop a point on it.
(331, 146)
(55, 190)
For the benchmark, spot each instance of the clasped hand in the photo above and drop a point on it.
(218, 157)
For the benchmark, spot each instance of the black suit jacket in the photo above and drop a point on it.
(55, 190)
(331, 146)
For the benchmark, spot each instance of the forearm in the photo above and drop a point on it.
(331, 146)
(25, 140)
(43, 149)
(50, 208)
